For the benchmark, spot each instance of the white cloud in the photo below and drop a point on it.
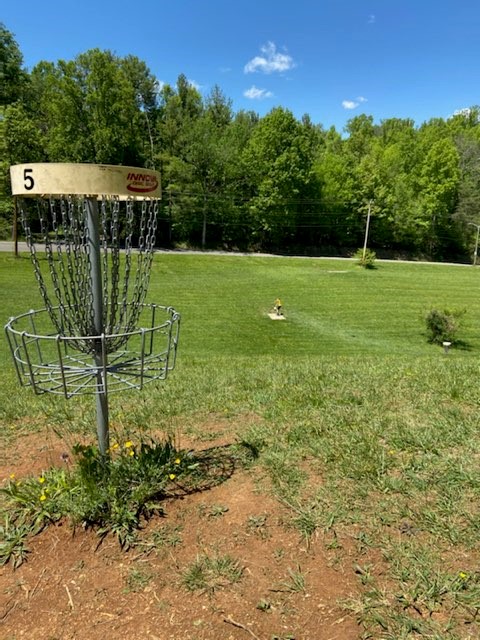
(466, 111)
(194, 84)
(271, 61)
(371, 18)
(257, 94)
(471, 113)
(353, 104)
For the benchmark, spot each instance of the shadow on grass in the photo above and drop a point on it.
(458, 345)
(462, 345)
(211, 467)
(110, 499)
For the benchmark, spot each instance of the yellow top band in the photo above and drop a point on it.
(91, 180)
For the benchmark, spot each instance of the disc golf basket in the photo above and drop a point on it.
(96, 334)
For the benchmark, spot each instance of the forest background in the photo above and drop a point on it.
(238, 181)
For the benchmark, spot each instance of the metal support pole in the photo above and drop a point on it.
(15, 226)
(472, 224)
(97, 294)
(204, 224)
(476, 247)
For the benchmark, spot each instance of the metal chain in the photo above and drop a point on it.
(138, 275)
(104, 249)
(34, 258)
(115, 267)
(123, 304)
(146, 242)
(81, 259)
(63, 226)
(65, 265)
(149, 243)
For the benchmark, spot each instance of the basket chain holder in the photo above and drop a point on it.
(87, 338)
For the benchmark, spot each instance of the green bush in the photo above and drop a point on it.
(368, 260)
(111, 495)
(5, 230)
(442, 326)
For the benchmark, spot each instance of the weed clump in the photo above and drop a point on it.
(109, 494)
(443, 325)
(365, 259)
(207, 574)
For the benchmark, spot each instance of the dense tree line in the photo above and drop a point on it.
(237, 180)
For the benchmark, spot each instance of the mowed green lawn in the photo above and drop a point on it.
(332, 307)
(367, 432)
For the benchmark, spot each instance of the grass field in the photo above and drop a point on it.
(366, 432)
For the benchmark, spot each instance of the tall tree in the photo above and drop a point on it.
(279, 158)
(90, 108)
(336, 193)
(15, 126)
(13, 78)
(179, 108)
(218, 108)
(386, 170)
(467, 212)
(439, 181)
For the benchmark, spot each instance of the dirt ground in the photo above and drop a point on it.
(71, 588)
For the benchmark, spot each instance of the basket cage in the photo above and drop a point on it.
(64, 348)
(53, 363)
(60, 227)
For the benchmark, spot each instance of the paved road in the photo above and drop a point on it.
(6, 246)
(9, 246)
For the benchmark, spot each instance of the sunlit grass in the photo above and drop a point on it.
(332, 307)
(364, 430)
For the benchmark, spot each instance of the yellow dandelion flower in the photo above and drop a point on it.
(172, 476)
(114, 446)
(131, 452)
(177, 461)
(462, 575)
(12, 476)
(128, 444)
(391, 452)
(41, 480)
(43, 497)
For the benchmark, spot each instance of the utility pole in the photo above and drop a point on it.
(15, 226)
(476, 242)
(152, 158)
(367, 228)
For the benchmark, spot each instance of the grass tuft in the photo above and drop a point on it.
(210, 573)
(364, 431)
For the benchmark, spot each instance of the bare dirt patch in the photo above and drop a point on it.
(71, 588)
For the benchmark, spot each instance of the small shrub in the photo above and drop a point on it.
(366, 261)
(296, 580)
(13, 537)
(5, 230)
(442, 326)
(111, 495)
(208, 574)
(137, 580)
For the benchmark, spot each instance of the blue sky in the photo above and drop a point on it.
(332, 59)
